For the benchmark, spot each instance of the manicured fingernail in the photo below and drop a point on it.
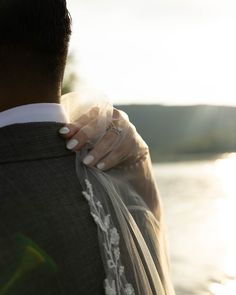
(101, 166)
(88, 160)
(64, 130)
(72, 144)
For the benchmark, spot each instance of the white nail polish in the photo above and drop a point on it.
(88, 160)
(101, 166)
(64, 130)
(72, 144)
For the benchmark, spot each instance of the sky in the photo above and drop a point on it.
(157, 51)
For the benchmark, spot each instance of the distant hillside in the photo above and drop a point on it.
(174, 131)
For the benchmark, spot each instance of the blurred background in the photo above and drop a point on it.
(171, 65)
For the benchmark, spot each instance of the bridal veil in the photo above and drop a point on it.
(124, 203)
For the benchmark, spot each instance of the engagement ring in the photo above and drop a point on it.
(116, 130)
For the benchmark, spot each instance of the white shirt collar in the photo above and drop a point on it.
(38, 112)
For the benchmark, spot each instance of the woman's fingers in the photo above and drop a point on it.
(85, 130)
(68, 131)
(113, 148)
(101, 149)
(77, 135)
(79, 140)
(113, 159)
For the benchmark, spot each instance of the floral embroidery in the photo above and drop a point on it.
(115, 283)
(121, 270)
(115, 238)
(110, 289)
(129, 290)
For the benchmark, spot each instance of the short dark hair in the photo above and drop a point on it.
(41, 27)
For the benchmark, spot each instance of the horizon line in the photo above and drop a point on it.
(177, 105)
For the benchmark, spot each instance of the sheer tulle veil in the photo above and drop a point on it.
(125, 204)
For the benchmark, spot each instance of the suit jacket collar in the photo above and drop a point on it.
(31, 141)
(37, 112)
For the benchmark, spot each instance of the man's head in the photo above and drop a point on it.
(34, 38)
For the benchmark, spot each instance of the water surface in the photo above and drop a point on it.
(200, 205)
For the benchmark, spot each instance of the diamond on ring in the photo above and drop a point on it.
(116, 130)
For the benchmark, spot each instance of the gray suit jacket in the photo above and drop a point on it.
(48, 240)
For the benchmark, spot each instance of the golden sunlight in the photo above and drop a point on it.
(226, 221)
(171, 52)
(225, 170)
(228, 288)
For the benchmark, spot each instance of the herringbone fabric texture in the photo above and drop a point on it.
(41, 200)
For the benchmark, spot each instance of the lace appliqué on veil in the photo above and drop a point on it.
(115, 283)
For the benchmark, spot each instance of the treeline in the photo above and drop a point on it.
(174, 132)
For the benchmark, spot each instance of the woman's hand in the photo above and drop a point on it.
(119, 145)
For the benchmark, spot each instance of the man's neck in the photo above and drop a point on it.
(11, 99)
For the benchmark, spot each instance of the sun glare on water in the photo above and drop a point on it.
(225, 169)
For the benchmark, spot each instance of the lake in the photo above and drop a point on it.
(200, 207)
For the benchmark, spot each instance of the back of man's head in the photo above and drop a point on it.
(36, 31)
